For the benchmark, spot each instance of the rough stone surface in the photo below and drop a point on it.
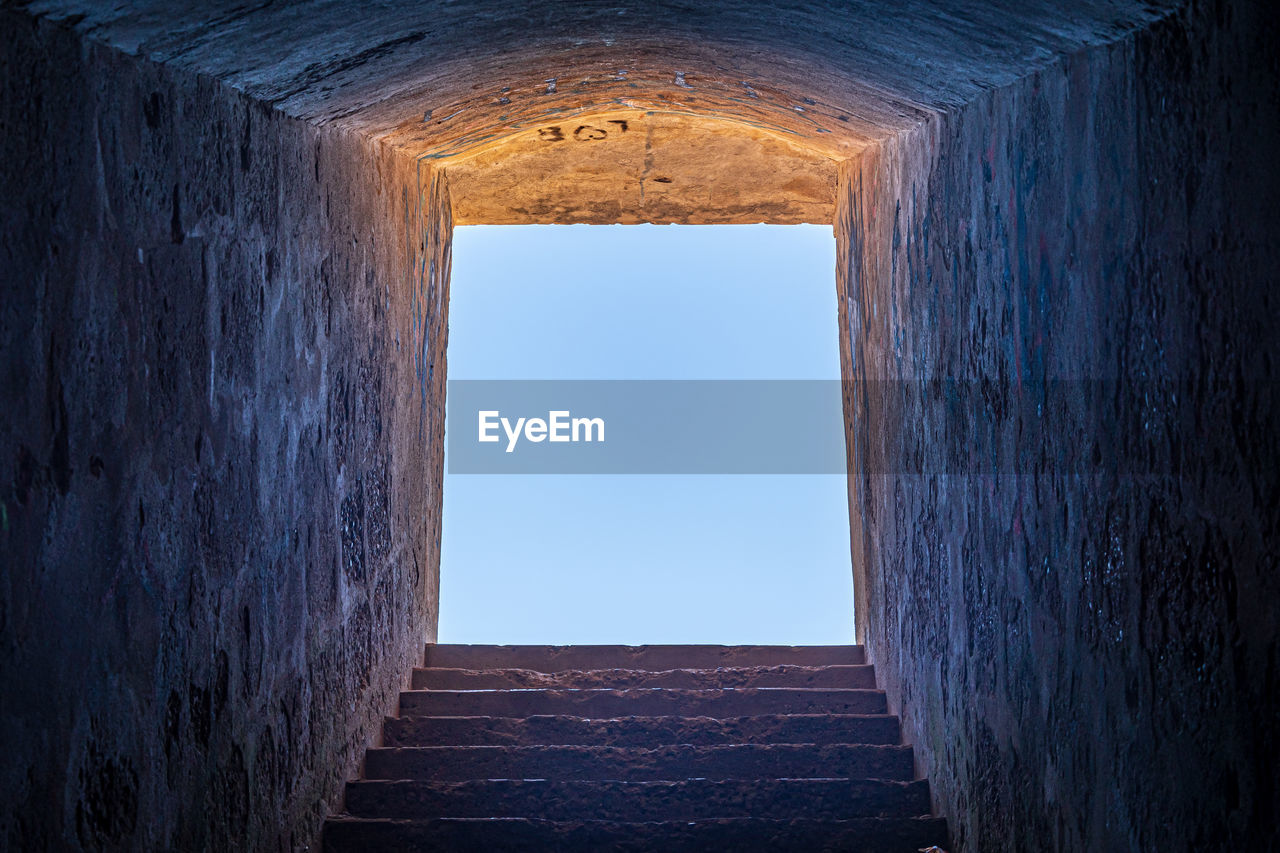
(532, 835)
(742, 110)
(556, 659)
(760, 781)
(604, 702)
(1070, 541)
(747, 676)
(218, 467)
(643, 166)
(730, 761)
(638, 731)
(689, 799)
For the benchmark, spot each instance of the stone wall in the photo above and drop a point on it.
(221, 336)
(1061, 317)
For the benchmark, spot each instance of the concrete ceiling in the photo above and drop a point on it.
(614, 112)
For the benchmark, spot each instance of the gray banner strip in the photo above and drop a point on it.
(1059, 427)
(645, 427)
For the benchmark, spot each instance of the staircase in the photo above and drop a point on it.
(639, 748)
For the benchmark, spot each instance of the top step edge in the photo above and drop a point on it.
(665, 656)
(799, 666)
(623, 646)
(487, 718)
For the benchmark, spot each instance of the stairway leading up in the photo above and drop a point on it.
(639, 748)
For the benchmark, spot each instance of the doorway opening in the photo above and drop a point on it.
(644, 558)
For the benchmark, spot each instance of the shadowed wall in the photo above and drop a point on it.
(1067, 513)
(221, 477)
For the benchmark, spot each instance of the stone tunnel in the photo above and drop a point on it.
(225, 272)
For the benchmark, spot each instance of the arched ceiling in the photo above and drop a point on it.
(571, 110)
(635, 131)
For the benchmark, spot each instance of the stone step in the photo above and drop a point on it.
(641, 731)
(521, 835)
(693, 799)
(655, 657)
(639, 748)
(674, 763)
(785, 675)
(744, 701)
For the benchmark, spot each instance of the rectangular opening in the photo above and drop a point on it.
(679, 557)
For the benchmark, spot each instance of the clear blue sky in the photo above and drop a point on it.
(644, 558)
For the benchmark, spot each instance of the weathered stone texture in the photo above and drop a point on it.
(219, 554)
(748, 105)
(646, 779)
(1070, 541)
